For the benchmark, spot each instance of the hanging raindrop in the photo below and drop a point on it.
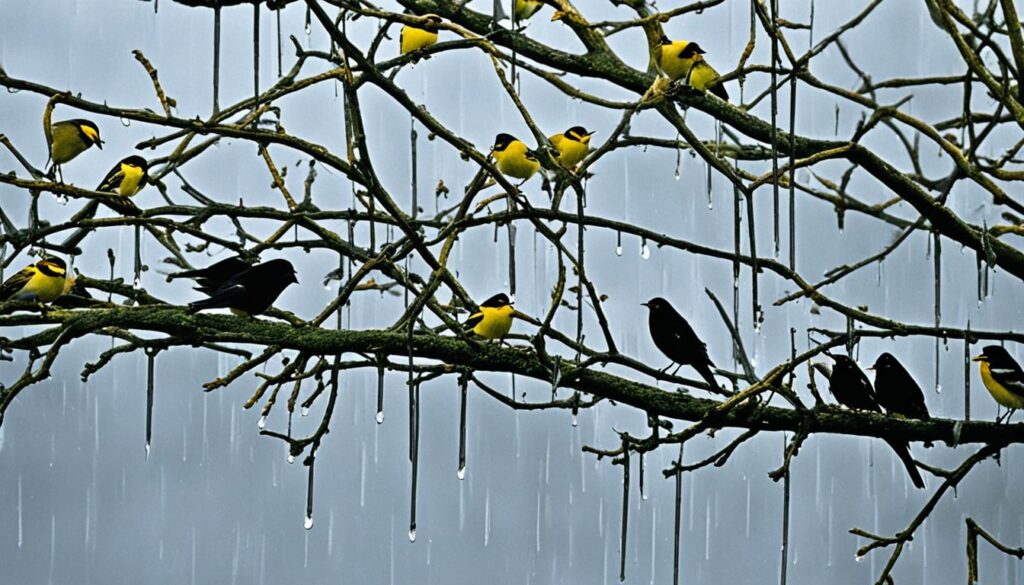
(618, 244)
(645, 250)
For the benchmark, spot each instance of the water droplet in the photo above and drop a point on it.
(462, 472)
(262, 423)
(125, 122)
(304, 411)
(291, 458)
(308, 524)
(412, 535)
(380, 416)
(645, 251)
(575, 421)
(859, 558)
(309, 29)
(62, 199)
(147, 450)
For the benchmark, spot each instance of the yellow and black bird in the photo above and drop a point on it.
(896, 390)
(126, 178)
(525, 9)
(514, 158)
(214, 276)
(415, 38)
(685, 60)
(1002, 376)
(851, 388)
(675, 338)
(41, 282)
(70, 138)
(572, 146)
(252, 291)
(494, 319)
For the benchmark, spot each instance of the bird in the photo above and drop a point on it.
(413, 38)
(252, 291)
(895, 389)
(514, 158)
(126, 178)
(685, 60)
(572, 145)
(75, 295)
(68, 139)
(674, 337)
(851, 388)
(525, 9)
(493, 320)
(41, 282)
(1002, 376)
(212, 277)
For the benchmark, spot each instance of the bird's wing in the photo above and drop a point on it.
(113, 179)
(1011, 378)
(222, 297)
(16, 282)
(474, 320)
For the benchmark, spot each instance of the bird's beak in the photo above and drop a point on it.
(99, 144)
(648, 305)
(979, 358)
(871, 369)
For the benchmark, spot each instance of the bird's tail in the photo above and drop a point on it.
(704, 369)
(718, 88)
(88, 211)
(203, 304)
(903, 452)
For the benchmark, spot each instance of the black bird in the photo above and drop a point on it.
(677, 340)
(211, 278)
(851, 388)
(252, 291)
(896, 390)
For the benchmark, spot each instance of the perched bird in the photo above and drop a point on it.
(513, 157)
(572, 146)
(1002, 376)
(70, 138)
(685, 60)
(851, 388)
(74, 295)
(896, 390)
(674, 337)
(214, 276)
(41, 282)
(525, 9)
(251, 291)
(414, 38)
(494, 319)
(125, 178)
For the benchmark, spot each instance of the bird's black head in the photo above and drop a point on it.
(498, 300)
(577, 133)
(432, 21)
(885, 361)
(843, 361)
(665, 40)
(281, 267)
(501, 142)
(657, 304)
(52, 266)
(996, 356)
(136, 161)
(90, 130)
(690, 51)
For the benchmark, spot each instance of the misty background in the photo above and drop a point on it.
(217, 503)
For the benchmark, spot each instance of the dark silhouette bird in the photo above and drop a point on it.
(851, 388)
(213, 276)
(1002, 376)
(252, 291)
(896, 390)
(677, 340)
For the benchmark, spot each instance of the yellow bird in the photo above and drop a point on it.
(41, 282)
(685, 60)
(494, 319)
(514, 157)
(127, 177)
(572, 146)
(70, 138)
(527, 8)
(1002, 376)
(414, 38)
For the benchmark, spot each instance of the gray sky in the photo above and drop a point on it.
(216, 503)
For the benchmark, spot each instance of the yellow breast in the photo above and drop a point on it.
(998, 391)
(674, 66)
(496, 322)
(513, 161)
(42, 288)
(132, 177)
(66, 143)
(570, 152)
(416, 38)
(527, 8)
